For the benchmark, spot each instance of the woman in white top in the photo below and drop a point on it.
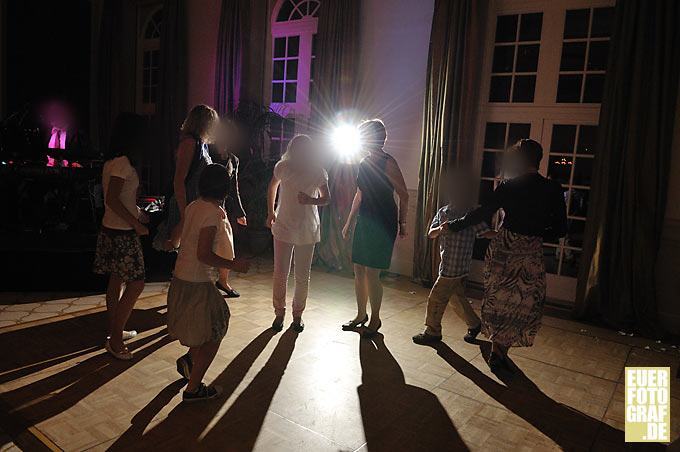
(119, 250)
(302, 185)
(198, 316)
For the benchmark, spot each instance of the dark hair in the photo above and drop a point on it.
(530, 150)
(214, 182)
(373, 133)
(128, 137)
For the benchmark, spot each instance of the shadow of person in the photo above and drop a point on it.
(45, 398)
(30, 350)
(397, 416)
(567, 427)
(185, 426)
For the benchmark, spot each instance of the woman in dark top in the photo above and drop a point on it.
(514, 271)
(377, 226)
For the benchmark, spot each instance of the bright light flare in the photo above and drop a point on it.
(346, 140)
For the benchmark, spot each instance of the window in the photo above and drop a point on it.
(294, 26)
(148, 60)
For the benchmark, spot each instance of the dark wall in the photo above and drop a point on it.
(48, 53)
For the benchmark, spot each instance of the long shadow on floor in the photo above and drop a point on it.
(567, 427)
(32, 349)
(398, 416)
(45, 398)
(190, 426)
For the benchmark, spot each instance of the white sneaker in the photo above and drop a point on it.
(125, 355)
(127, 335)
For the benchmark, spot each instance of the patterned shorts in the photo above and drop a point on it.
(119, 253)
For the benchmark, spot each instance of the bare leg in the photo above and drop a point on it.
(224, 278)
(112, 298)
(122, 312)
(375, 293)
(201, 358)
(361, 291)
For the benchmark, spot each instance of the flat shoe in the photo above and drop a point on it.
(426, 339)
(202, 393)
(229, 293)
(124, 355)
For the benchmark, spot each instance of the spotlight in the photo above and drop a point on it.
(346, 140)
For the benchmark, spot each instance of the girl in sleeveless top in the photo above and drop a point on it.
(379, 220)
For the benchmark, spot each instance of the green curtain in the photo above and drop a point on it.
(336, 90)
(630, 174)
(452, 84)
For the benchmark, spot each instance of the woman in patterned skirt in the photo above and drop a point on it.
(514, 271)
(376, 229)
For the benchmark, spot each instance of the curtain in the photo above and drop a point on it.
(229, 55)
(449, 113)
(336, 90)
(630, 174)
(172, 102)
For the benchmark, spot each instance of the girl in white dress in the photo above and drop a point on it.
(302, 185)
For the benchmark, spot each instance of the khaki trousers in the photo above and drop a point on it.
(448, 290)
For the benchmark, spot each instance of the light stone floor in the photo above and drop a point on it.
(322, 390)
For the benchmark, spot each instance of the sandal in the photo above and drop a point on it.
(124, 354)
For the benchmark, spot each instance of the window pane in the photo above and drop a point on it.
(503, 58)
(279, 47)
(284, 12)
(491, 164)
(291, 69)
(500, 88)
(291, 92)
(583, 171)
(288, 128)
(485, 190)
(530, 28)
(587, 138)
(570, 263)
(576, 23)
(573, 56)
(506, 28)
(559, 169)
(527, 58)
(297, 15)
(154, 76)
(578, 205)
(494, 136)
(147, 59)
(602, 22)
(517, 132)
(551, 260)
(293, 46)
(597, 56)
(563, 138)
(575, 230)
(594, 88)
(523, 90)
(277, 92)
(278, 70)
(569, 88)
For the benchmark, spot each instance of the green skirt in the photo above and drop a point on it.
(373, 243)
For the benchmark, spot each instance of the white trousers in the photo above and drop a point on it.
(283, 255)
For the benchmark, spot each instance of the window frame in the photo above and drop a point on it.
(145, 14)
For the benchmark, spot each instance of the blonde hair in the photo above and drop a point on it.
(288, 155)
(200, 122)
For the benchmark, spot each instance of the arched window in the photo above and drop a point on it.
(294, 25)
(148, 60)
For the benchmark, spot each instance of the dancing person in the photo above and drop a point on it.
(514, 272)
(455, 249)
(119, 249)
(198, 315)
(232, 204)
(197, 132)
(302, 185)
(379, 220)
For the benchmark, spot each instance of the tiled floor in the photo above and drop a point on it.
(322, 390)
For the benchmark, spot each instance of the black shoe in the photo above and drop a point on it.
(202, 393)
(277, 324)
(371, 333)
(184, 366)
(426, 339)
(228, 293)
(298, 326)
(354, 324)
(472, 333)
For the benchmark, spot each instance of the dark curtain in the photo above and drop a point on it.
(233, 17)
(630, 174)
(451, 89)
(336, 90)
(172, 101)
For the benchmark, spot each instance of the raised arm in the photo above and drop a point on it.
(271, 200)
(356, 203)
(114, 202)
(393, 173)
(481, 213)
